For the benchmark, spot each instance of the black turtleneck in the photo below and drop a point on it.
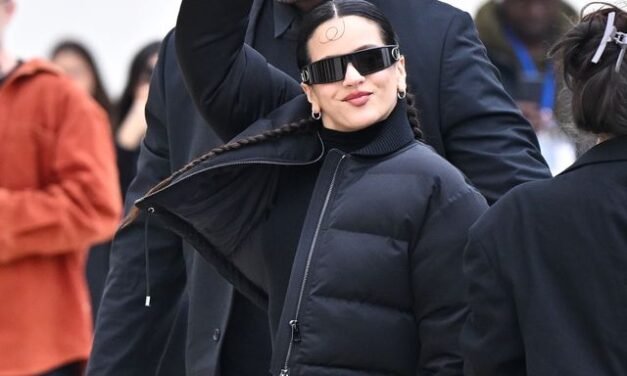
(285, 221)
(349, 141)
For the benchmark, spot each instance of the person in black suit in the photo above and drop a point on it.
(184, 330)
(546, 264)
(462, 106)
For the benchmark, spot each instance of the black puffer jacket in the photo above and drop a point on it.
(376, 285)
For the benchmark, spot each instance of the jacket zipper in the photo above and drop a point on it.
(294, 324)
(236, 163)
(151, 210)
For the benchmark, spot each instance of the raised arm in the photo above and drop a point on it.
(231, 83)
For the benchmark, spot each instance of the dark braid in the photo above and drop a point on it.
(302, 125)
(412, 114)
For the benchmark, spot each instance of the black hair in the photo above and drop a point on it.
(139, 72)
(599, 93)
(72, 46)
(340, 8)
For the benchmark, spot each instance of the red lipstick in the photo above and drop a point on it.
(357, 98)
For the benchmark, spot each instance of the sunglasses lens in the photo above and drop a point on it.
(370, 61)
(334, 69)
(327, 70)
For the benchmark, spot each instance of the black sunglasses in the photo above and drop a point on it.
(366, 61)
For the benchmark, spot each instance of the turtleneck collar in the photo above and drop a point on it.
(383, 137)
(395, 133)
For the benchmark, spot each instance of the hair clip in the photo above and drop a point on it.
(621, 39)
(611, 35)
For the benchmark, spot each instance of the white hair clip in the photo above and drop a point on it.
(612, 35)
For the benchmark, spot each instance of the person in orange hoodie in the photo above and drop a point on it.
(58, 195)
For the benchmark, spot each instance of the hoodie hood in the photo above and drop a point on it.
(31, 68)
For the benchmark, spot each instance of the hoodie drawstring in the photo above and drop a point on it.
(150, 211)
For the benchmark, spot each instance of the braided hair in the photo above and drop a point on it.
(303, 125)
(299, 126)
(412, 115)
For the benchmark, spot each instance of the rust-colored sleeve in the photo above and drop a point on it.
(80, 203)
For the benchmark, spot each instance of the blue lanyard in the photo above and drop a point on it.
(547, 101)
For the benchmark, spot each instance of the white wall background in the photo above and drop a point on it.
(113, 29)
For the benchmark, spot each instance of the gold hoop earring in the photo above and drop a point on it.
(316, 115)
(401, 94)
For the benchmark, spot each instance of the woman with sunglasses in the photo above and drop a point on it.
(323, 208)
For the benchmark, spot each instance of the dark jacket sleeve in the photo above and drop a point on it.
(439, 303)
(231, 84)
(490, 340)
(483, 132)
(130, 338)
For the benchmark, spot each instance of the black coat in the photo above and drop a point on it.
(452, 51)
(374, 289)
(547, 267)
(131, 339)
(466, 115)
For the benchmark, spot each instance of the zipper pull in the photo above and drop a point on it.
(285, 372)
(150, 211)
(295, 331)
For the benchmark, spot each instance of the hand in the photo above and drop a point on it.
(133, 128)
(141, 93)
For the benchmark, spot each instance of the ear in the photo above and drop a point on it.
(401, 74)
(311, 96)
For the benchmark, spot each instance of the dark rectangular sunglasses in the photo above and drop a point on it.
(366, 61)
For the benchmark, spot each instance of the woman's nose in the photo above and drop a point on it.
(352, 77)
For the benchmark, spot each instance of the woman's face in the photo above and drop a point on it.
(79, 71)
(373, 96)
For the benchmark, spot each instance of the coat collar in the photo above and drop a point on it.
(612, 150)
(299, 149)
(284, 16)
(31, 68)
(395, 134)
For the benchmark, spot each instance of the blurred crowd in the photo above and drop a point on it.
(128, 126)
(63, 180)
